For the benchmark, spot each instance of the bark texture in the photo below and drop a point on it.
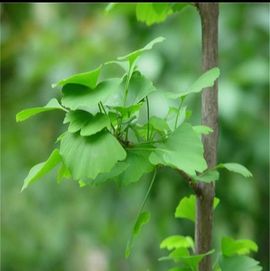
(204, 215)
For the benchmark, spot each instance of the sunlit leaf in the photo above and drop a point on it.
(232, 247)
(85, 122)
(151, 13)
(63, 173)
(183, 150)
(88, 156)
(53, 104)
(201, 129)
(77, 96)
(239, 263)
(237, 168)
(142, 219)
(187, 208)
(88, 79)
(177, 241)
(133, 56)
(41, 169)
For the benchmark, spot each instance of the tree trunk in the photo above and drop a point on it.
(204, 213)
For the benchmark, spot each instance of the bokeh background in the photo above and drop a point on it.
(51, 227)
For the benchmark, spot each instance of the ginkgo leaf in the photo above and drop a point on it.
(237, 168)
(177, 241)
(88, 79)
(158, 124)
(187, 208)
(77, 96)
(88, 156)
(142, 219)
(139, 88)
(133, 56)
(232, 247)
(85, 122)
(41, 169)
(172, 115)
(204, 81)
(53, 104)
(239, 263)
(202, 129)
(207, 177)
(182, 149)
(138, 165)
(151, 13)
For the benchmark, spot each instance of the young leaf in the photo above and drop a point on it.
(138, 165)
(151, 13)
(88, 79)
(183, 150)
(237, 168)
(239, 263)
(41, 169)
(232, 247)
(201, 129)
(172, 115)
(139, 88)
(88, 156)
(204, 81)
(186, 208)
(207, 177)
(158, 124)
(63, 173)
(177, 241)
(132, 57)
(142, 219)
(85, 122)
(53, 104)
(77, 96)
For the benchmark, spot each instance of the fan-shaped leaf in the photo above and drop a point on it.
(177, 241)
(41, 169)
(207, 177)
(133, 56)
(88, 79)
(183, 150)
(239, 263)
(85, 122)
(237, 168)
(53, 104)
(88, 156)
(187, 208)
(232, 247)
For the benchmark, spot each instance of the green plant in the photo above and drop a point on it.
(103, 117)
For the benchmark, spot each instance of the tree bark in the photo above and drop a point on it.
(204, 212)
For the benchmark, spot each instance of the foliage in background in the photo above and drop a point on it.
(36, 56)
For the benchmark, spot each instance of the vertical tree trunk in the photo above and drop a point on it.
(204, 217)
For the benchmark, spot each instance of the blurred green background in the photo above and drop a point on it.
(63, 227)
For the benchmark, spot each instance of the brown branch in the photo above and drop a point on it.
(194, 186)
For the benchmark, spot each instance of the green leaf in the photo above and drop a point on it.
(88, 79)
(183, 150)
(151, 13)
(232, 247)
(85, 122)
(41, 169)
(201, 129)
(206, 80)
(119, 168)
(207, 177)
(187, 208)
(88, 156)
(63, 173)
(172, 114)
(139, 88)
(239, 263)
(179, 6)
(142, 219)
(133, 56)
(237, 168)
(138, 165)
(177, 241)
(77, 96)
(53, 104)
(158, 124)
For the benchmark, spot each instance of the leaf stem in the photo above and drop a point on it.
(148, 117)
(105, 112)
(178, 111)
